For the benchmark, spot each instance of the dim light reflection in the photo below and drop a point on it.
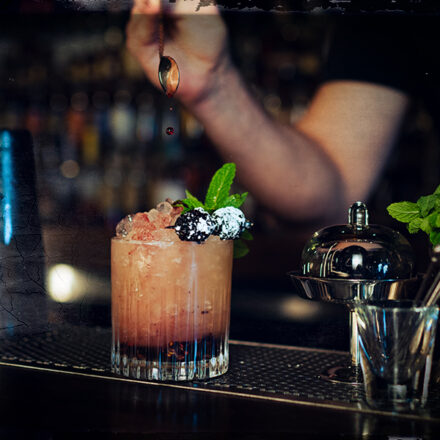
(356, 261)
(70, 169)
(63, 283)
(299, 309)
(362, 346)
(66, 284)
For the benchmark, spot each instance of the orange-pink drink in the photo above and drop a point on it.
(170, 301)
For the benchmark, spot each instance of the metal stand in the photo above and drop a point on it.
(349, 373)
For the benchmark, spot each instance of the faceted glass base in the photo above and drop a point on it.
(170, 371)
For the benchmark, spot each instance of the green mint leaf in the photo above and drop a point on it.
(404, 211)
(240, 249)
(234, 200)
(436, 198)
(241, 198)
(426, 204)
(229, 201)
(220, 186)
(246, 235)
(434, 237)
(425, 226)
(414, 225)
(423, 215)
(191, 202)
(433, 218)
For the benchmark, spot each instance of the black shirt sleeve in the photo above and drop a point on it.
(374, 49)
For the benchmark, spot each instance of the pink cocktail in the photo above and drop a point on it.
(170, 304)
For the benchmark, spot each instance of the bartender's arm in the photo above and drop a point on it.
(311, 170)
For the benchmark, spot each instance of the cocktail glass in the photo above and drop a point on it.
(171, 307)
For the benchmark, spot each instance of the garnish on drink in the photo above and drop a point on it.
(218, 215)
(193, 220)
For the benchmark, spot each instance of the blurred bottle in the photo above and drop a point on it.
(23, 299)
(191, 129)
(146, 122)
(123, 120)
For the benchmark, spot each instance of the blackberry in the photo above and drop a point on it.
(230, 223)
(195, 225)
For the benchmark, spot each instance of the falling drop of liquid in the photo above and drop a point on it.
(170, 131)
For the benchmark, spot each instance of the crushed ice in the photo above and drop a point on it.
(124, 227)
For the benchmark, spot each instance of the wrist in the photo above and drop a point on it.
(223, 78)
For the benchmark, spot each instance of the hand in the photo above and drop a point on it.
(197, 40)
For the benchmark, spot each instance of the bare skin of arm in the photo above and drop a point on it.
(310, 171)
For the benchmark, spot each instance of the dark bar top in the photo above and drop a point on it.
(60, 382)
(50, 403)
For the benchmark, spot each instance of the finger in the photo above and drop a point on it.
(140, 31)
(142, 43)
(146, 7)
(142, 25)
(182, 7)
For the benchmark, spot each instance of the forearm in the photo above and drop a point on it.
(287, 171)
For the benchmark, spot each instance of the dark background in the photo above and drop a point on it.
(101, 152)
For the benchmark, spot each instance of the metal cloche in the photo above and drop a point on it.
(358, 251)
(353, 263)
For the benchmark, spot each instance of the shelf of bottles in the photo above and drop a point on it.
(97, 127)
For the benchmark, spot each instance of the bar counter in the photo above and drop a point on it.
(60, 382)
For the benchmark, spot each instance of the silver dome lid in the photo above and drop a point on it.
(358, 251)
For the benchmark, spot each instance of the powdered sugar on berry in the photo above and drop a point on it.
(195, 225)
(230, 223)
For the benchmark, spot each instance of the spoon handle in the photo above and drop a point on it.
(433, 297)
(431, 279)
(160, 31)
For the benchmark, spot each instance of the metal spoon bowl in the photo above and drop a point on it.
(169, 75)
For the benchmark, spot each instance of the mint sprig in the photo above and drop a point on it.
(191, 202)
(424, 215)
(218, 192)
(235, 200)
